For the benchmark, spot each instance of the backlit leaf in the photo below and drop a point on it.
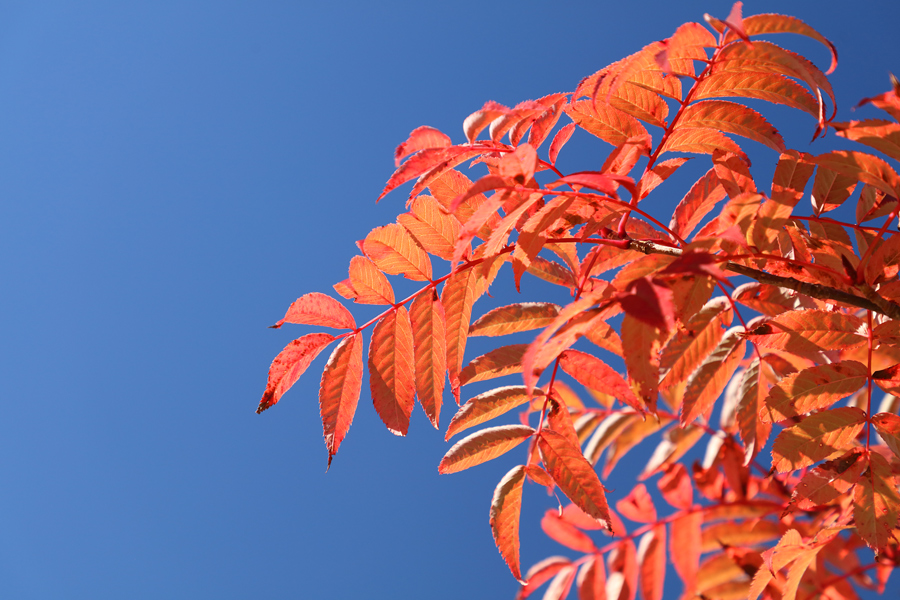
(559, 140)
(506, 508)
(420, 139)
(318, 309)
(368, 283)
(290, 364)
(478, 120)
(753, 427)
(651, 559)
(710, 378)
(565, 533)
(427, 318)
(637, 506)
(435, 230)
(888, 379)
(394, 251)
(876, 503)
(483, 446)
(877, 133)
(690, 345)
(542, 572)
(496, 363)
(865, 167)
(761, 86)
(697, 203)
(591, 372)
(730, 117)
(700, 140)
(339, 391)
(888, 427)
(561, 583)
(773, 23)
(608, 123)
(685, 541)
(831, 189)
(808, 332)
(816, 437)
(675, 486)
(817, 387)
(829, 481)
(459, 294)
(574, 475)
(391, 370)
(514, 318)
(486, 406)
(591, 580)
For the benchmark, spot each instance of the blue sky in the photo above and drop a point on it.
(172, 176)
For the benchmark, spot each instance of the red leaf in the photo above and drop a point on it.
(435, 230)
(339, 391)
(696, 204)
(520, 165)
(483, 446)
(649, 301)
(394, 251)
(700, 140)
(430, 348)
(478, 120)
(730, 117)
(771, 87)
(574, 475)
(591, 372)
(816, 437)
(542, 572)
(290, 364)
(808, 332)
(888, 426)
(514, 318)
(505, 510)
(609, 124)
(813, 388)
(565, 533)
(675, 486)
(637, 505)
(592, 580)
(559, 140)
(501, 361)
(486, 406)
(876, 504)
(458, 296)
(420, 139)
(865, 167)
(391, 376)
(684, 549)
(651, 559)
(369, 285)
(772, 23)
(318, 309)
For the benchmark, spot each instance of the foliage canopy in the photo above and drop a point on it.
(796, 496)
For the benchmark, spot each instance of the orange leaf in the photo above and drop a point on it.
(591, 372)
(877, 133)
(865, 167)
(651, 559)
(708, 381)
(773, 23)
(505, 510)
(478, 120)
(501, 361)
(391, 372)
(290, 364)
(791, 175)
(637, 506)
(771, 87)
(427, 318)
(675, 486)
(565, 533)
(369, 285)
(623, 572)
(753, 428)
(640, 346)
(540, 573)
(514, 318)
(829, 481)
(808, 332)
(339, 391)
(813, 388)
(561, 584)
(435, 230)
(483, 446)
(394, 251)
(730, 117)
(687, 349)
(486, 406)
(700, 140)
(574, 475)
(459, 294)
(659, 173)
(830, 189)
(684, 548)
(888, 427)
(318, 309)
(425, 161)
(608, 123)
(420, 139)
(449, 186)
(697, 203)
(591, 580)
(816, 437)
(559, 140)
(876, 503)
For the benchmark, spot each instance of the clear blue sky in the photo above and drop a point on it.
(172, 176)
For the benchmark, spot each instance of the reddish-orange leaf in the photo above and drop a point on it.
(424, 161)
(637, 506)
(767, 299)
(458, 296)
(591, 580)
(434, 229)
(369, 285)
(478, 120)
(876, 503)
(559, 140)
(608, 123)
(339, 391)
(540, 573)
(700, 140)
(426, 315)
(501, 361)
(697, 203)
(565, 533)
(708, 381)
(888, 379)
(514, 318)
(561, 584)
(420, 139)
(771, 87)
(391, 370)
(623, 572)
(486, 406)
(539, 476)
(574, 475)
(877, 133)
(773, 23)
(791, 175)
(448, 187)
(674, 444)
(318, 309)
(675, 486)
(730, 117)
(733, 173)
(816, 387)
(690, 345)
(543, 125)
(505, 510)
(483, 446)
(888, 427)
(659, 173)
(591, 372)
(523, 111)
(640, 346)
(816, 437)
(753, 429)
(684, 548)
(865, 167)
(394, 251)
(831, 189)
(888, 101)
(290, 364)
(829, 481)
(809, 332)
(651, 559)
